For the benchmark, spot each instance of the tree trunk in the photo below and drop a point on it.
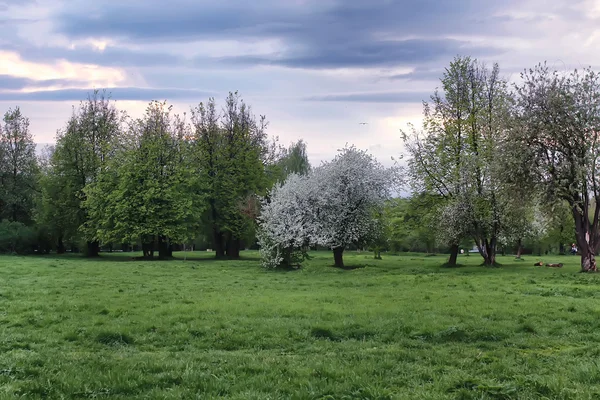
(588, 261)
(519, 248)
(148, 250)
(487, 249)
(218, 243)
(490, 260)
(453, 255)
(586, 240)
(377, 254)
(233, 249)
(164, 251)
(60, 249)
(93, 249)
(338, 253)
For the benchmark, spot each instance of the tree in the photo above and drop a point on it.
(81, 153)
(559, 130)
(230, 151)
(411, 223)
(284, 229)
(145, 191)
(293, 160)
(436, 154)
(561, 228)
(335, 205)
(343, 196)
(58, 204)
(459, 156)
(18, 168)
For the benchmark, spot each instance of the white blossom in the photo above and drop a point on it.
(283, 224)
(344, 194)
(333, 206)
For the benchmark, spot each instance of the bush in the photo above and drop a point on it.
(276, 255)
(16, 238)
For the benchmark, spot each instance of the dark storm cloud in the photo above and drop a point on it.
(315, 35)
(121, 93)
(380, 97)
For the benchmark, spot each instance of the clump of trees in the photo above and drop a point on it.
(499, 159)
(152, 182)
(504, 167)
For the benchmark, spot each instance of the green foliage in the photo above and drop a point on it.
(16, 237)
(146, 189)
(290, 160)
(82, 150)
(459, 156)
(410, 223)
(229, 151)
(557, 129)
(399, 328)
(18, 168)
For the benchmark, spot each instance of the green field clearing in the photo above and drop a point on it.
(397, 328)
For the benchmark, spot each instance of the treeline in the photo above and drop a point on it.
(412, 225)
(496, 165)
(509, 165)
(152, 183)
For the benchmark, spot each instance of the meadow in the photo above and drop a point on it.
(399, 328)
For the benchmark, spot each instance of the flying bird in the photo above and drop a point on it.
(363, 123)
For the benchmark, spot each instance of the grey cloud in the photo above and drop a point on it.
(364, 54)
(374, 97)
(419, 74)
(334, 34)
(111, 56)
(121, 93)
(9, 82)
(15, 21)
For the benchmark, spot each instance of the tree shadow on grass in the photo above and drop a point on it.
(283, 269)
(124, 257)
(454, 266)
(349, 267)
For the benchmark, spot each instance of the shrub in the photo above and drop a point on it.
(16, 238)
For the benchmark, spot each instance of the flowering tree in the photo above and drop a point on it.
(459, 156)
(347, 193)
(559, 130)
(335, 205)
(284, 229)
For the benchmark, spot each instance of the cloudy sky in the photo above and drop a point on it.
(316, 68)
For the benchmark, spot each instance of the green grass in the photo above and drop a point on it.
(399, 328)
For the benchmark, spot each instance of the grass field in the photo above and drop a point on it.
(398, 328)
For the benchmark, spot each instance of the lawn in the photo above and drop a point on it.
(397, 328)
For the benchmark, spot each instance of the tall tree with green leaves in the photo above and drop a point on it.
(57, 205)
(437, 152)
(294, 160)
(460, 155)
(230, 149)
(18, 168)
(81, 153)
(145, 192)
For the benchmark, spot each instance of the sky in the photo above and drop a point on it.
(316, 68)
